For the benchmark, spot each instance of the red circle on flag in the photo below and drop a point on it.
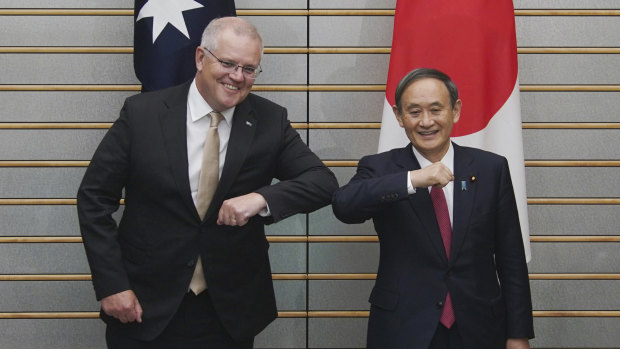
(474, 42)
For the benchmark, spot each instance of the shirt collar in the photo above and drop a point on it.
(199, 108)
(447, 159)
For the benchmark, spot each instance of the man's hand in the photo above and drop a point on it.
(517, 343)
(238, 210)
(435, 175)
(123, 306)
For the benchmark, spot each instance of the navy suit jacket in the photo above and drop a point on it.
(486, 273)
(154, 249)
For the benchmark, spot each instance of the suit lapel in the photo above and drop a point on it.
(422, 204)
(241, 137)
(174, 130)
(464, 195)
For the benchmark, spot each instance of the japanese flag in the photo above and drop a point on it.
(474, 42)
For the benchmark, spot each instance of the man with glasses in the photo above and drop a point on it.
(187, 266)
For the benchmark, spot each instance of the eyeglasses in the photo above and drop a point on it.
(230, 67)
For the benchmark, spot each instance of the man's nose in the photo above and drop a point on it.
(425, 119)
(237, 74)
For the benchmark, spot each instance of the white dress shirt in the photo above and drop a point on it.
(448, 161)
(197, 125)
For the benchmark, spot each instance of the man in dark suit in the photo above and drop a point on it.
(151, 271)
(452, 270)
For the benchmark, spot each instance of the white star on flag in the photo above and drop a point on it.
(166, 11)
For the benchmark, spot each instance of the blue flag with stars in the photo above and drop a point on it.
(166, 34)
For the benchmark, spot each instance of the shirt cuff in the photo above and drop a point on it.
(265, 212)
(410, 187)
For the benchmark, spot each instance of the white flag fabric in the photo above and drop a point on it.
(474, 42)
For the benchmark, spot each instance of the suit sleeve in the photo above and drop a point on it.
(98, 197)
(511, 265)
(368, 192)
(305, 183)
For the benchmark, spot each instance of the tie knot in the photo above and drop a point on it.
(216, 117)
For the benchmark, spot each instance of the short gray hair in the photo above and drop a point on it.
(425, 73)
(238, 25)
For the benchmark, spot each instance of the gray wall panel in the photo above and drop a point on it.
(118, 69)
(38, 296)
(295, 225)
(346, 106)
(51, 333)
(69, 258)
(339, 294)
(287, 257)
(296, 103)
(67, 69)
(270, 4)
(61, 31)
(348, 68)
(569, 68)
(50, 144)
(16, 182)
(574, 219)
(566, 4)
(567, 31)
(344, 174)
(118, 30)
(356, 257)
(575, 294)
(337, 333)
(344, 144)
(573, 332)
(290, 31)
(570, 257)
(570, 106)
(351, 31)
(290, 295)
(67, 4)
(34, 258)
(571, 144)
(42, 220)
(583, 182)
(323, 222)
(283, 333)
(61, 106)
(283, 69)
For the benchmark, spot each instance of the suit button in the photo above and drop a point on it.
(440, 304)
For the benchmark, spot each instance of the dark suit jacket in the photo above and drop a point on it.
(154, 249)
(486, 273)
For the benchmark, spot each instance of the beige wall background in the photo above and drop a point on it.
(66, 67)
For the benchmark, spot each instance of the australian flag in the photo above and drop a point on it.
(166, 34)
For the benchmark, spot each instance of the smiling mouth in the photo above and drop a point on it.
(427, 133)
(231, 87)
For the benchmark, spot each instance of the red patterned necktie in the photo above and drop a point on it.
(443, 220)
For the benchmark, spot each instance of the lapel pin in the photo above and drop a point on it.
(463, 185)
(248, 123)
(472, 179)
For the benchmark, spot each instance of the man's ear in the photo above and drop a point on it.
(457, 111)
(398, 115)
(200, 55)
